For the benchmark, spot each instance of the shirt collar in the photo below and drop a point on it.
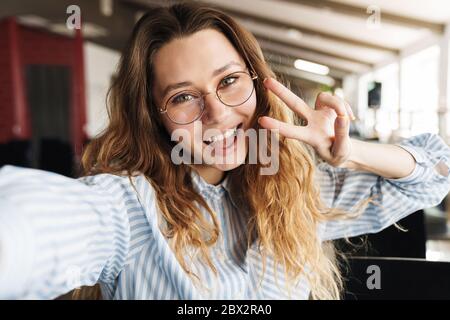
(209, 191)
(206, 189)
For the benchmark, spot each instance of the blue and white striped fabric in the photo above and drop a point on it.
(58, 233)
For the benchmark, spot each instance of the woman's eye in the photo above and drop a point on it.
(228, 81)
(182, 98)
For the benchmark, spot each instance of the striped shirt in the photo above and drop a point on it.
(58, 233)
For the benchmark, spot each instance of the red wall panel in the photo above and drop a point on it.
(6, 91)
(41, 47)
(22, 46)
(13, 112)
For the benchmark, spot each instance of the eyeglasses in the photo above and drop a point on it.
(187, 106)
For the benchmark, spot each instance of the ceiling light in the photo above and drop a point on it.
(32, 21)
(60, 28)
(90, 30)
(106, 7)
(311, 67)
(294, 34)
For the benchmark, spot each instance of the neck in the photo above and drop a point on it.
(210, 174)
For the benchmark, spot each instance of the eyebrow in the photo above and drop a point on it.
(189, 83)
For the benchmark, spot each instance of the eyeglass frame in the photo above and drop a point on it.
(252, 75)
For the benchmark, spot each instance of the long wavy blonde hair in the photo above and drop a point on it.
(285, 209)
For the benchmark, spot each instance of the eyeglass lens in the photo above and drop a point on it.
(233, 90)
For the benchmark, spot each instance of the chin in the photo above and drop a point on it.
(227, 167)
(239, 159)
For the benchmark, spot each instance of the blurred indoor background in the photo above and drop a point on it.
(388, 59)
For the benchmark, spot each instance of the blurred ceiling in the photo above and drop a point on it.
(348, 36)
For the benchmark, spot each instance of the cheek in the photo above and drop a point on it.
(168, 125)
(175, 131)
(248, 109)
(252, 104)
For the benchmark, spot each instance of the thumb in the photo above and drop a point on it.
(341, 134)
(341, 126)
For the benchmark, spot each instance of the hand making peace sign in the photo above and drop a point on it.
(327, 129)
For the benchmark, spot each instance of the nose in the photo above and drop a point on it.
(215, 111)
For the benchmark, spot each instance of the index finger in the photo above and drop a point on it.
(294, 102)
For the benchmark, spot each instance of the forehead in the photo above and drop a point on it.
(193, 58)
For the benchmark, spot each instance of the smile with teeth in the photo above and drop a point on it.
(226, 135)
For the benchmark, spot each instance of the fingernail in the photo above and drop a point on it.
(265, 79)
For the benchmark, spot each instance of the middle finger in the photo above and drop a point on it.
(325, 99)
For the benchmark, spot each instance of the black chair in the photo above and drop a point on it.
(391, 242)
(16, 152)
(57, 156)
(399, 278)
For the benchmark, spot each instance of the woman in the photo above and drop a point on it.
(145, 226)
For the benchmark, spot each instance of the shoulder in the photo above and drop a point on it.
(325, 173)
(137, 196)
(134, 192)
(119, 186)
(325, 178)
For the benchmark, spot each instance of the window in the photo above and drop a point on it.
(420, 91)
